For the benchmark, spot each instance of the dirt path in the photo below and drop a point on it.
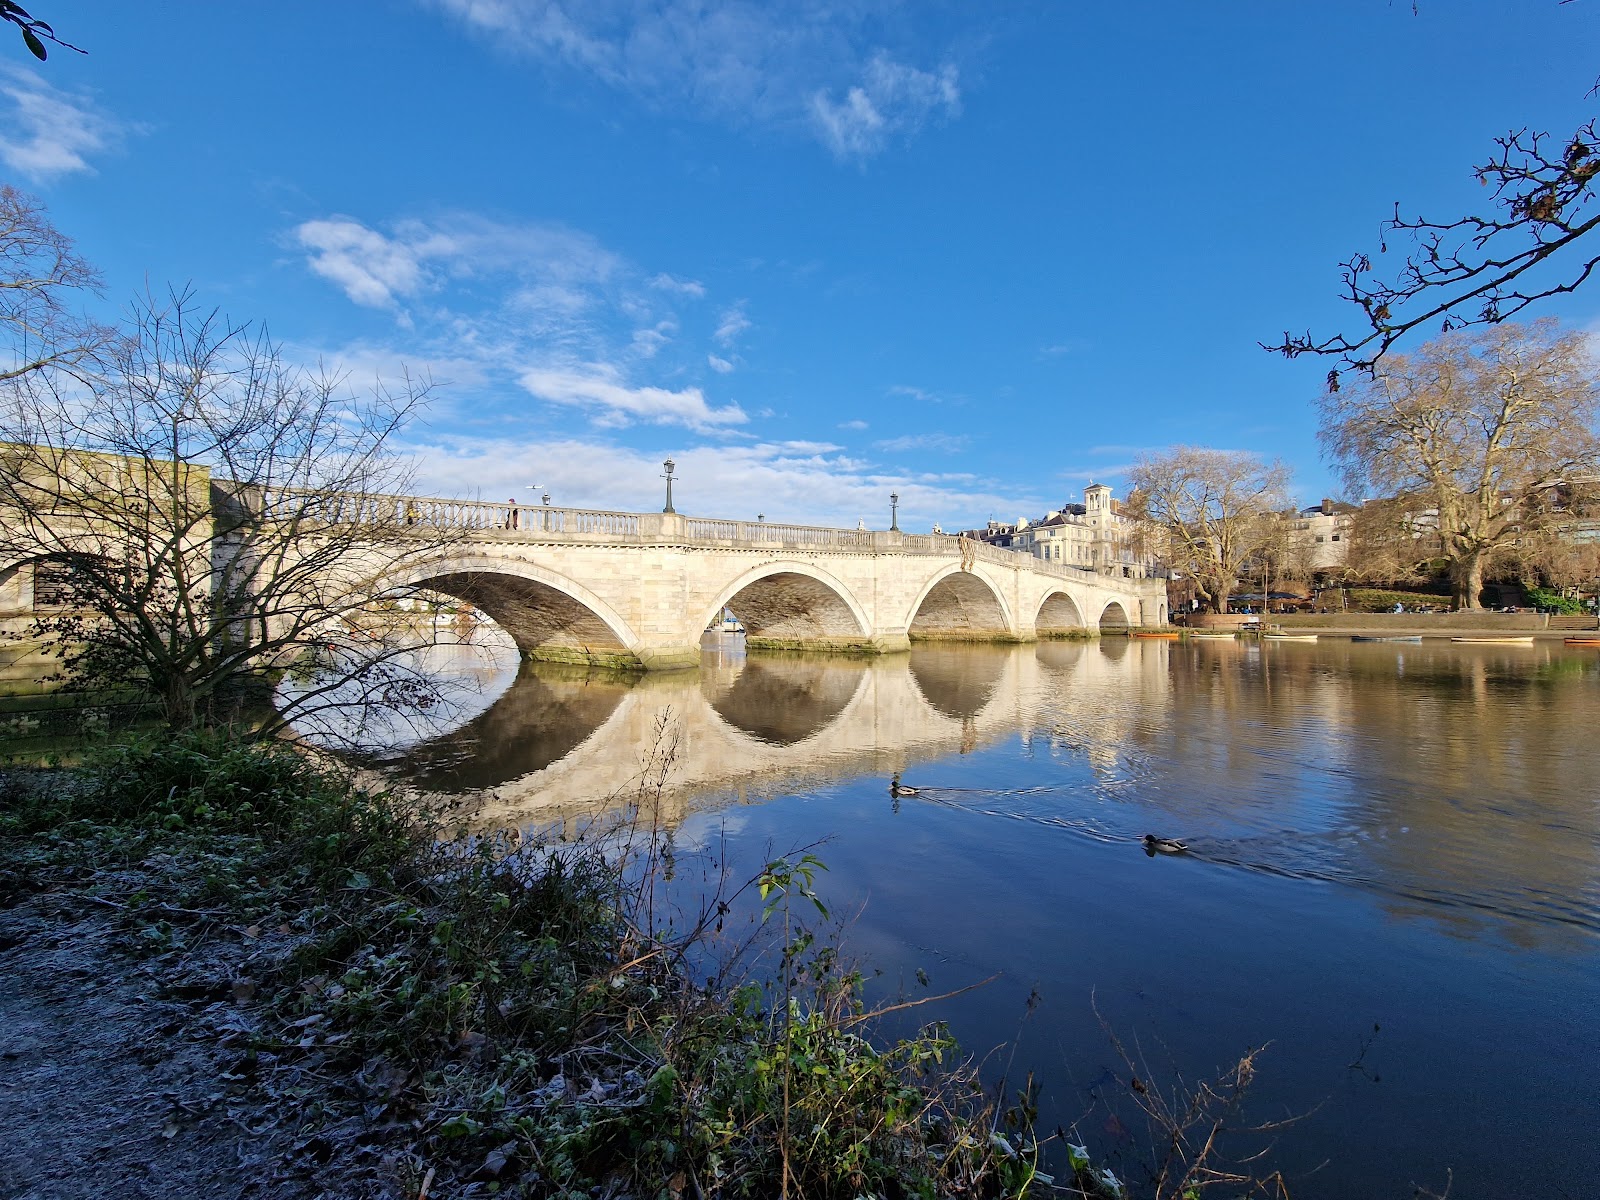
(107, 1090)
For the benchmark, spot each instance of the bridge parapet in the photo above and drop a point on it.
(540, 523)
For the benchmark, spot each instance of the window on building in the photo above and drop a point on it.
(1320, 538)
(1336, 537)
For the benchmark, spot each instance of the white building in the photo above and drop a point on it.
(1097, 535)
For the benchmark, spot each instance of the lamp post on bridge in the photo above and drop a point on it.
(894, 512)
(669, 464)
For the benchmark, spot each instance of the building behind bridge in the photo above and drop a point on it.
(1098, 535)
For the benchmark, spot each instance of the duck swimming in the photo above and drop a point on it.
(896, 788)
(1154, 845)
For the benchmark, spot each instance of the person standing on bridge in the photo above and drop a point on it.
(511, 517)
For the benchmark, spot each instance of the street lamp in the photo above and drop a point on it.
(545, 499)
(669, 464)
(894, 512)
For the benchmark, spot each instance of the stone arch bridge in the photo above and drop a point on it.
(639, 589)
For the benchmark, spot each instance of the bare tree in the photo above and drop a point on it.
(41, 278)
(206, 515)
(1389, 541)
(1477, 427)
(1217, 508)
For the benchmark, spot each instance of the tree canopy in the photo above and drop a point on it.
(1217, 509)
(1484, 435)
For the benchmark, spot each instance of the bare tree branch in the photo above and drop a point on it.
(1476, 270)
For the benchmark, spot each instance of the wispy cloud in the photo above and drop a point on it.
(856, 424)
(732, 324)
(379, 269)
(683, 287)
(944, 443)
(599, 388)
(542, 309)
(890, 99)
(47, 132)
(818, 68)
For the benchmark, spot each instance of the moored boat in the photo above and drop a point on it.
(1288, 637)
(1496, 641)
(1162, 635)
(1213, 637)
(1583, 641)
(1357, 637)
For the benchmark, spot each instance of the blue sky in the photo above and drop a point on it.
(815, 252)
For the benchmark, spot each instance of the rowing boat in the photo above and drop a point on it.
(1288, 637)
(1495, 641)
(1213, 637)
(1363, 638)
(1583, 641)
(1161, 635)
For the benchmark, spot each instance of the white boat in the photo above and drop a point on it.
(1288, 637)
(1495, 641)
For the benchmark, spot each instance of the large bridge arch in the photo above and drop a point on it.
(960, 605)
(548, 615)
(790, 604)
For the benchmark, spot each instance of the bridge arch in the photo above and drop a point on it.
(1058, 612)
(793, 604)
(957, 604)
(548, 615)
(1114, 616)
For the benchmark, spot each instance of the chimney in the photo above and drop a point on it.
(1327, 507)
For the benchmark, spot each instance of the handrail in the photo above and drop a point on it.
(539, 522)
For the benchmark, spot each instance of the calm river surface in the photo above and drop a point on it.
(1393, 877)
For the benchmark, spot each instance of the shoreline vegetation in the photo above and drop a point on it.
(328, 992)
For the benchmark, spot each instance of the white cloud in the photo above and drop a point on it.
(856, 424)
(648, 342)
(772, 62)
(944, 443)
(48, 132)
(732, 324)
(558, 266)
(800, 482)
(890, 99)
(720, 365)
(600, 388)
(372, 269)
(683, 287)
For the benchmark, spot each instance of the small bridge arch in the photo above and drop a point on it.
(1058, 613)
(1114, 616)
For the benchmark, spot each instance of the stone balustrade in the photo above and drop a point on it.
(545, 523)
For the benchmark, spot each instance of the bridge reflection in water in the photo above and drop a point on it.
(561, 740)
(1399, 836)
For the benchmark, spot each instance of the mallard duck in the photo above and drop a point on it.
(896, 788)
(1154, 845)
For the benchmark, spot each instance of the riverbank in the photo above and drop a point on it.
(1437, 625)
(229, 965)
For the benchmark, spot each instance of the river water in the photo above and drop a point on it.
(1393, 875)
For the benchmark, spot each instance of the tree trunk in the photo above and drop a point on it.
(1219, 600)
(1468, 575)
